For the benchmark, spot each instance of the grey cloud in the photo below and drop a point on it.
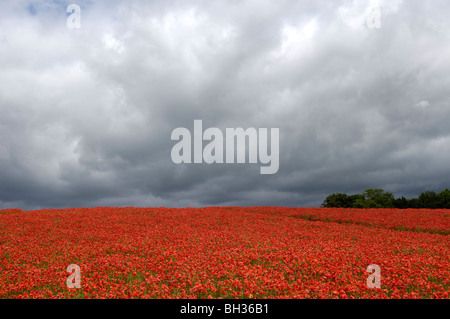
(87, 114)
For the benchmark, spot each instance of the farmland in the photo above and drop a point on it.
(225, 252)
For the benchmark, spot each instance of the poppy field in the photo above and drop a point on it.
(224, 252)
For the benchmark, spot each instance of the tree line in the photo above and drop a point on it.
(378, 198)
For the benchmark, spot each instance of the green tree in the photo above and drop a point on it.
(378, 198)
(340, 200)
(353, 198)
(444, 199)
(336, 200)
(428, 199)
(413, 203)
(375, 198)
(401, 203)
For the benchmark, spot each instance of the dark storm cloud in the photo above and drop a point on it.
(87, 114)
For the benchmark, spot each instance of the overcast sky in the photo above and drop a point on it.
(86, 114)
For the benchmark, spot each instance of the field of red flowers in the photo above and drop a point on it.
(231, 252)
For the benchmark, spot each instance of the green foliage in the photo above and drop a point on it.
(336, 200)
(378, 198)
(401, 203)
(428, 199)
(443, 199)
(341, 200)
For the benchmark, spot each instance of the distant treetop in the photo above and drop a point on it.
(378, 198)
